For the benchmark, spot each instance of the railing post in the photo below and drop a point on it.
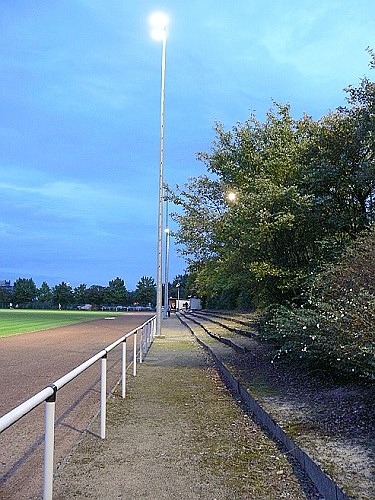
(49, 445)
(141, 346)
(135, 355)
(103, 396)
(153, 328)
(123, 382)
(148, 335)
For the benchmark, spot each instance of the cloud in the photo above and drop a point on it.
(315, 38)
(49, 226)
(66, 202)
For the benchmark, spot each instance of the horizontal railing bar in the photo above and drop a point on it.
(122, 339)
(24, 408)
(65, 379)
(129, 334)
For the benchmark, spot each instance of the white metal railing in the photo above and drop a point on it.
(48, 394)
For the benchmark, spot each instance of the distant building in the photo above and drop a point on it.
(191, 303)
(7, 285)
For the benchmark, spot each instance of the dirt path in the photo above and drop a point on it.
(178, 435)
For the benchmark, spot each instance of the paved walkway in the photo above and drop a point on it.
(178, 435)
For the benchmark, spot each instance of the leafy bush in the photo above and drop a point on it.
(334, 328)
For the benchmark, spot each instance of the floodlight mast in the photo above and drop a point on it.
(159, 22)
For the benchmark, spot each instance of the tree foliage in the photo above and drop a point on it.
(96, 295)
(80, 294)
(145, 292)
(335, 326)
(62, 294)
(116, 293)
(24, 291)
(44, 296)
(304, 195)
(304, 190)
(180, 287)
(24, 294)
(5, 297)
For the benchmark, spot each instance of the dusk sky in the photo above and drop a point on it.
(79, 119)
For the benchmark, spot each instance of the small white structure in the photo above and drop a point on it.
(185, 304)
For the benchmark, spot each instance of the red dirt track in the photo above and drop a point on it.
(30, 362)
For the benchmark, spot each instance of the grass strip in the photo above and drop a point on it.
(16, 321)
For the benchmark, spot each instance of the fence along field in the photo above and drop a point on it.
(17, 321)
(14, 471)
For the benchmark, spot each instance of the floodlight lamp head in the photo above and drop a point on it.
(158, 23)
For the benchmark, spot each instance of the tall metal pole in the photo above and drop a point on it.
(159, 291)
(166, 271)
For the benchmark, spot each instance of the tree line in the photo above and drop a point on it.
(302, 199)
(25, 293)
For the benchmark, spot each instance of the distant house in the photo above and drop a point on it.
(7, 285)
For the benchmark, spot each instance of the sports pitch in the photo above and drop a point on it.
(16, 321)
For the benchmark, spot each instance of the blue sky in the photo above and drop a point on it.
(79, 117)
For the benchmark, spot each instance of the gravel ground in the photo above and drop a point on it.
(178, 434)
(332, 420)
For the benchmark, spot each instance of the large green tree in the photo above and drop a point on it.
(44, 293)
(63, 294)
(250, 246)
(24, 291)
(96, 295)
(116, 293)
(145, 292)
(80, 294)
(303, 188)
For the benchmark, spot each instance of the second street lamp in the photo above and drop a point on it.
(159, 22)
(178, 296)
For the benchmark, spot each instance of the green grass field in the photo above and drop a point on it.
(16, 321)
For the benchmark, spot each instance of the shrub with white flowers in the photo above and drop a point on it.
(335, 328)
